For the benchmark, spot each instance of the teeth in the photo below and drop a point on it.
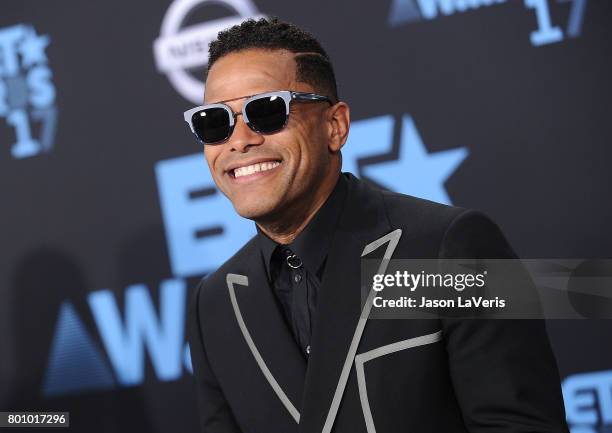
(254, 168)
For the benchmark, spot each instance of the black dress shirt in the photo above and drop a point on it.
(296, 288)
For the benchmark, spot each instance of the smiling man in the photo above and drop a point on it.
(298, 167)
(279, 336)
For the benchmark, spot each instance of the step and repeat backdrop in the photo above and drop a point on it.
(110, 217)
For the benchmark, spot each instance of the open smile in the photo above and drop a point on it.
(253, 171)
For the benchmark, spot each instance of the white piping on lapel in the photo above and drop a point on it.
(244, 281)
(393, 238)
(362, 358)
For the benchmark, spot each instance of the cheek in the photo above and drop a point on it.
(308, 147)
(211, 154)
(314, 146)
(306, 139)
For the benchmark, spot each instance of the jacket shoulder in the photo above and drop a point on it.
(414, 213)
(447, 230)
(212, 284)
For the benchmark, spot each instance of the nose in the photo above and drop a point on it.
(243, 137)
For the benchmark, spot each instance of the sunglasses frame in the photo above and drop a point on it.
(286, 95)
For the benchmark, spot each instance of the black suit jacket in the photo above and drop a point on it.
(442, 376)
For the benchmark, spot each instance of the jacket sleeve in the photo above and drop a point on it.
(213, 410)
(503, 370)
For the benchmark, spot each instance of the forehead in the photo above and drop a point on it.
(249, 72)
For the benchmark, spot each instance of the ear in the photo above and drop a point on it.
(338, 121)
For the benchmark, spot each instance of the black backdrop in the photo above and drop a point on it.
(109, 216)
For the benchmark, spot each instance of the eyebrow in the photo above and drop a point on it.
(233, 99)
(240, 97)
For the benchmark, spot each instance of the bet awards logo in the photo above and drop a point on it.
(182, 48)
(27, 94)
(115, 354)
(409, 11)
(588, 401)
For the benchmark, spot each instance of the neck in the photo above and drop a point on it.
(285, 228)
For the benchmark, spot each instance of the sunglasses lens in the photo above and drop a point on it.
(268, 114)
(211, 125)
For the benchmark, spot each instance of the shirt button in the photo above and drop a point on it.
(308, 349)
(297, 278)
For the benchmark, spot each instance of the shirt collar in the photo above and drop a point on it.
(312, 244)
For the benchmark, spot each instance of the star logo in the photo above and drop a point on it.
(415, 172)
(32, 49)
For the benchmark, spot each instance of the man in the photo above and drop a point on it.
(278, 339)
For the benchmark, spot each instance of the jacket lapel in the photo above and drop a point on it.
(311, 393)
(269, 339)
(363, 230)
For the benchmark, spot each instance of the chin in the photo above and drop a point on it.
(252, 211)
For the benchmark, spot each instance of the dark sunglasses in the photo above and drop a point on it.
(264, 113)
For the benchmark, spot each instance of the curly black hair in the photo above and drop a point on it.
(313, 65)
